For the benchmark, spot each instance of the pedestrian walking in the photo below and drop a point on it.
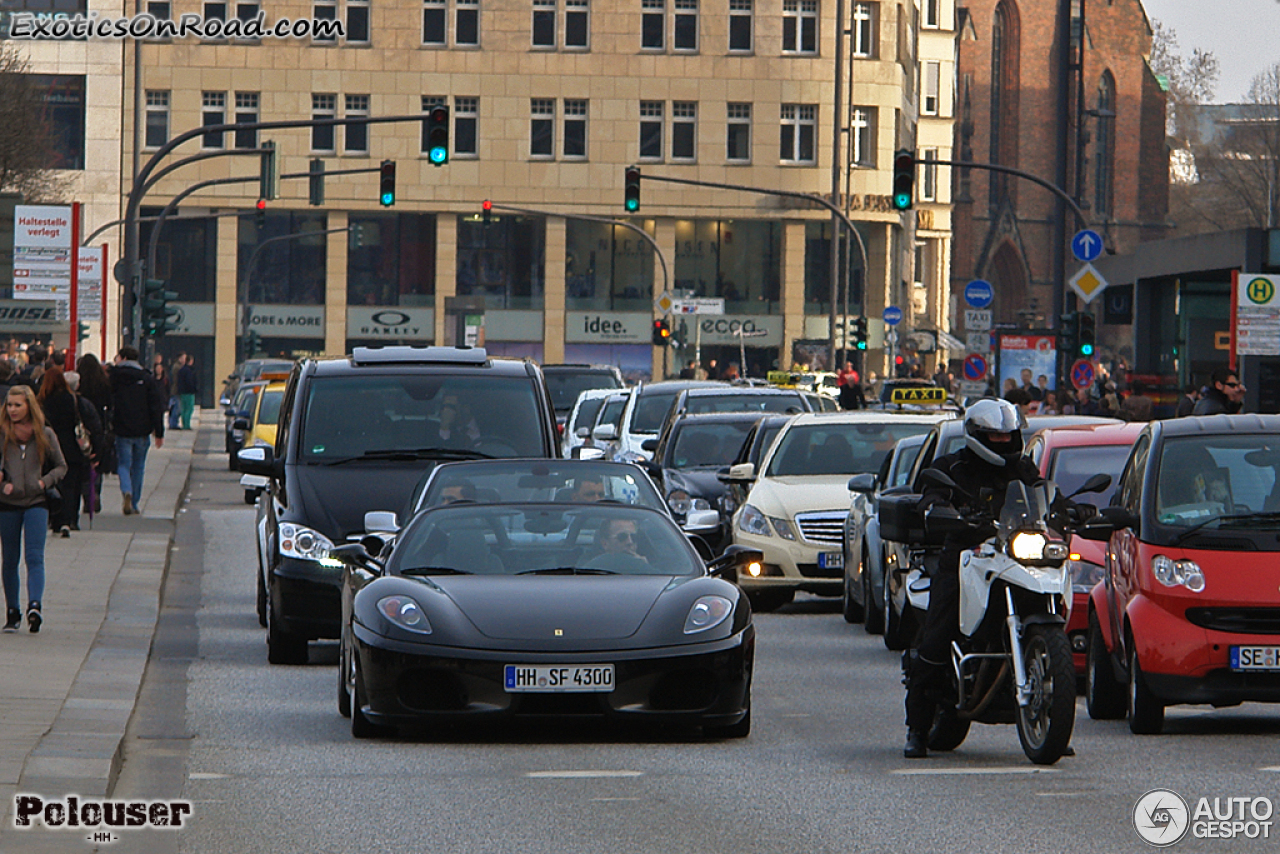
(62, 416)
(90, 427)
(1187, 403)
(137, 410)
(95, 388)
(31, 464)
(188, 384)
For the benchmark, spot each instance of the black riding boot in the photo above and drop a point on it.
(924, 681)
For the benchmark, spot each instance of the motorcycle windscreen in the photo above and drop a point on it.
(1025, 507)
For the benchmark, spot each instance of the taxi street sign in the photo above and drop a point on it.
(977, 320)
(1087, 282)
(919, 394)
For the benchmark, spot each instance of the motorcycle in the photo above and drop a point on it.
(1013, 661)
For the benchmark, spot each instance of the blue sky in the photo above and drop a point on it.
(1240, 33)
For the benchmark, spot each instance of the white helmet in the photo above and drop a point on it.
(987, 417)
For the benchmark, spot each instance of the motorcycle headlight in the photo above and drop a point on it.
(783, 527)
(707, 613)
(405, 613)
(752, 521)
(302, 542)
(1084, 575)
(1028, 545)
(1178, 573)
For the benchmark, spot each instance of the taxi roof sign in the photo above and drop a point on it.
(919, 394)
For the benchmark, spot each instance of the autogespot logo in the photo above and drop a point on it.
(1161, 817)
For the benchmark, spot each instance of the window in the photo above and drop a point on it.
(323, 106)
(862, 136)
(160, 9)
(157, 127)
(575, 128)
(467, 23)
(542, 127)
(213, 112)
(651, 130)
(357, 134)
(428, 103)
(325, 10)
(247, 11)
(929, 175)
(800, 26)
(929, 82)
(685, 30)
(247, 111)
(215, 11)
(799, 127)
(1105, 148)
(740, 26)
(739, 133)
(684, 122)
(544, 23)
(357, 21)
(466, 118)
(653, 20)
(433, 22)
(931, 14)
(863, 32)
(577, 24)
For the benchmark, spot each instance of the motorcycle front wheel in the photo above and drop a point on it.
(1046, 722)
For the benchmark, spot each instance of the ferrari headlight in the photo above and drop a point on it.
(783, 527)
(1178, 573)
(302, 542)
(707, 613)
(1028, 545)
(1084, 575)
(752, 521)
(682, 502)
(405, 613)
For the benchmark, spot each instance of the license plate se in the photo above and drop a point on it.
(831, 560)
(1255, 658)
(530, 678)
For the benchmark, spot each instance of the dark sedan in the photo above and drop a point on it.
(492, 610)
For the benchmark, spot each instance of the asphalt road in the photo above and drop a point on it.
(270, 766)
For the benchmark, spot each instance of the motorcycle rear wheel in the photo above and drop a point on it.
(1046, 722)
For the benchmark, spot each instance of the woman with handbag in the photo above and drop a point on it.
(95, 387)
(62, 415)
(32, 464)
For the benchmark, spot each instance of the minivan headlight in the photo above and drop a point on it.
(302, 542)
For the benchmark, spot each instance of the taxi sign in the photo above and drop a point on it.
(919, 394)
(782, 378)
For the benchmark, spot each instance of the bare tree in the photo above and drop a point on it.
(1192, 82)
(1242, 162)
(24, 134)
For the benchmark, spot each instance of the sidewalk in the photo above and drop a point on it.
(68, 691)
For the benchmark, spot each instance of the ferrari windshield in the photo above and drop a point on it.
(545, 539)
(1230, 478)
(838, 448)
(519, 481)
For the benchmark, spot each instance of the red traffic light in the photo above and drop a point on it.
(486, 205)
(262, 204)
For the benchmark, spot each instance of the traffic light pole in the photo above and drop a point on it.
(809, 197)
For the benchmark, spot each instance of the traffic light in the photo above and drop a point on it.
(631, 189)
(253, 344)
(904, 179)
(1069, 333)
(316, 182)
(486, 207)
(860, 333)
(156, 312)
(269, 172)
(82, 331)
(1085, 335)
(661, 332)
(438, 135)
(387, 183)
(260, 219)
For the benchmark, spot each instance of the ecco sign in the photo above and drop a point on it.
(760, 330)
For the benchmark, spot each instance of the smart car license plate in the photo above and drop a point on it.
(1255, 658)
(831, 560)
(529, 678)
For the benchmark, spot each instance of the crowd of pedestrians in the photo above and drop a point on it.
(61, 433)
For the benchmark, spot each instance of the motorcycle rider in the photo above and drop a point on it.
(990, 460)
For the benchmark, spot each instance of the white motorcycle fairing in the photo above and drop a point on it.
(983, 566)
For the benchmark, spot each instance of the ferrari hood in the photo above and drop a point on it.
(542, 607)
(786, 496)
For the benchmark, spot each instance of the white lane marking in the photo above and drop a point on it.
(580, 775)
(1274, 769)
(206, 775)
(1013, 769)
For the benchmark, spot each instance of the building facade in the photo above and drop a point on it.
(549, 102)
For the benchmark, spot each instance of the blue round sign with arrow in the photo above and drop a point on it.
(1086, 245)
(979, 293)
(893, 315)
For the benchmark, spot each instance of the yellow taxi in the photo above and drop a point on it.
(260, 429)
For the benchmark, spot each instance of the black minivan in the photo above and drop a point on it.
(356, 433)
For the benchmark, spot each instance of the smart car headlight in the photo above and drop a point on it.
(1178, 573)
(405, 613)
(707, 613)
(752, 521)
(1028, 545)
(303, 542)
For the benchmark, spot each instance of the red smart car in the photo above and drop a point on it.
(1189, 608)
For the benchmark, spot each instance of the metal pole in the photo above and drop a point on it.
(837, 128)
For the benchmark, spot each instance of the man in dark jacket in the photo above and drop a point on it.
(1225, 395)
(138, 404)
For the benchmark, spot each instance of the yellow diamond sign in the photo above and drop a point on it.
(1087, 282)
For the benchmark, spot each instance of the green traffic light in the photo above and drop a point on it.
(388, 199)
(633, 205)
(862, 345)
(438, 155)
(1086, 349)
(901, 201)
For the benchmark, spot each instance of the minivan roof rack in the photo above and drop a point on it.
(402, 355)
